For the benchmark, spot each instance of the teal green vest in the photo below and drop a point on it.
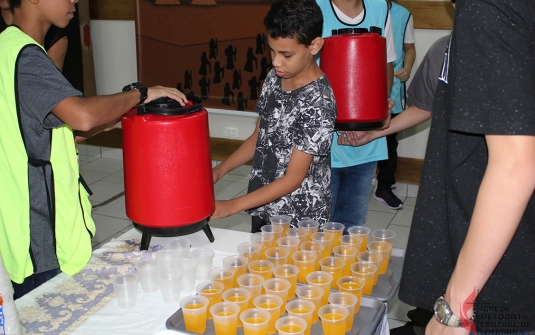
(399, 17)
(73, 224)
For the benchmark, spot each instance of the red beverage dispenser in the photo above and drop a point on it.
(354, 61)
(168, 168)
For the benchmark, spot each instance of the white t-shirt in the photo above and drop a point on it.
(390, 49)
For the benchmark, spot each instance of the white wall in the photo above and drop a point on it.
(114, 53)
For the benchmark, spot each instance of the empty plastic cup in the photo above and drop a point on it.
(181, 244)
(252, 283)
(365, 271)
(335, 266)
(291, 325)
(238, 263)
(251, 250)
(313, 294)
(349, 254)
(347, 300)
(361, 231)
(333, 319)
(271, 303)
(353, 285)
(213, 291)
(303, 309)
(147, 271)
(255, 321)
(204, 257)
(170, 284)
(225, 316)
(125, 287)
(194, 310)
(189, 272)
(277, 255)
(261, 267)
(306, 262)
(167, 258)
(335, 228)
(239, 296)
(288, 272)
(323, 280)
(223, 275)
(280, 287)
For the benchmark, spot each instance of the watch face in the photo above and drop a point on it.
(440, 312)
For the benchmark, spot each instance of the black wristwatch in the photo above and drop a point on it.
(142, 91)
(445, 316)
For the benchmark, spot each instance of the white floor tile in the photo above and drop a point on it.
(108, 226)
(115, 209)
(102, 190)
(91, 177)
(378, 220)
(409, 201)
(236, 178)
(83, 159)
(107, 165)
(412, 190)
(244, 170)
(400, 189)
(402, 236)
(397, 309)
(393, 323)
(226, 190)
(89, 150)
(117, 178)
(404, 216)
(239, 222)
(113, 153)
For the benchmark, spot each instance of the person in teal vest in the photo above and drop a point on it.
(353, 168)
(45, 214)
(403, 30)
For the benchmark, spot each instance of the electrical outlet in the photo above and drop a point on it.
(231, 132)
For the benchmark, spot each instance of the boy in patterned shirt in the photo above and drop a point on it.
(291, 141)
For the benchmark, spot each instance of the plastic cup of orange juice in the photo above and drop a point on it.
(385, 249)
(271, 303)
(261, 267)
(373, 257)
(333, 319)
(255, 321)
(313, 294)
(277, 255)
(349, 254)
(265, 240)
(363, 232)
(347, 300)
(301, 233)
(321, 279)
(306, 262)
(239, 296)
(238, 263)
(194, 309)
(325, 239)
(280, 287)
(225, 316)
(281, 220)
(251, 250)
(310, 225)
(335, 266)
(224, 275)
(288, 272)
(213, 291)
(315, 247)
(291, 325)
(354, 240)
(353, 285)
(252, 283)
(335, 228)
(303, 309)
(365, 271)
(384, 235)
(276, 230)
(291, 243)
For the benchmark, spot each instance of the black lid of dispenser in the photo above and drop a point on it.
(349, 31)
(168, 106)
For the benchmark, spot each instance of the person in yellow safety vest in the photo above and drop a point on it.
(45, 214)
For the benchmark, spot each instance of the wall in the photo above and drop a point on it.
(114, 53)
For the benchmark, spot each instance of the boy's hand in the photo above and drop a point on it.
(402, 74)
(223, 208)
(156, 92)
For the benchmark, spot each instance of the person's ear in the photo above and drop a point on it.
(316, 45)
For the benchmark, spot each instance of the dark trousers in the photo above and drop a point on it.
(387, 168)
(33, 281)
(256, 224)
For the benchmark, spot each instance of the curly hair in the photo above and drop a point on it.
(299, 19)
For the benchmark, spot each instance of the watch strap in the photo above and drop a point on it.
(143, 91)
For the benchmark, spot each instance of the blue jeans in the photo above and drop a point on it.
(351, 188)
(31, 282)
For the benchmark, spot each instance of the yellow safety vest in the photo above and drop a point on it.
(72, 222)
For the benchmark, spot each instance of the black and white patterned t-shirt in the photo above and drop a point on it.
(302, 119)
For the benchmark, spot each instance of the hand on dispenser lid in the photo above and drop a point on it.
(156, 92)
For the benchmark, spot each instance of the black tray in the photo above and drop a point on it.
(365, 321)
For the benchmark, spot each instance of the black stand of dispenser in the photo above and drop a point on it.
(148, 232)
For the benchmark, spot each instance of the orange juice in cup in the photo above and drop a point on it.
(271, 303)
(194, 310)
(288, 272)
(333, 319)
(306, 262)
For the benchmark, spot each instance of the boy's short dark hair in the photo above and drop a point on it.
(15, 3)
(299, 19)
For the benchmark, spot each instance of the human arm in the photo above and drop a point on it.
(406, 119)
(239, 157)
(494, 221)
(410, 55)
(57, 52)
(295, 174)
(87, 113)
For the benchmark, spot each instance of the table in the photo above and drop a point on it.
(150, 313)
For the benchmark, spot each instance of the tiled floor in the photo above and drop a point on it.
(102, 169)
